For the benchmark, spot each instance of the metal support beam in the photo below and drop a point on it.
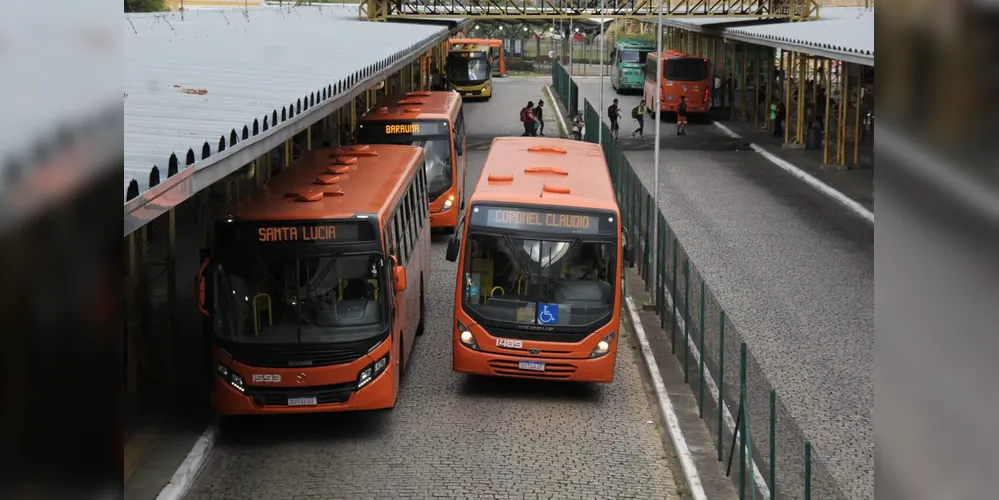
(170, 346)
(743, 78)
(794, 98)
(133, 322)
(381, 10)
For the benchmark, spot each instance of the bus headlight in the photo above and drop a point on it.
(466, 337)
(448, 203)
(372, 371)
(230, 376)
(603, 347)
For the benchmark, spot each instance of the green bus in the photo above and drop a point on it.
(627, 61)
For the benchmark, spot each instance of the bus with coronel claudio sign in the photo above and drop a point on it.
(313, 289)
(540, 253)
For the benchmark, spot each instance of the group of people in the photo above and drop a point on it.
(533, 118)
(534, 124)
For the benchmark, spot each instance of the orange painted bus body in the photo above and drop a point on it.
(334, 204)
(495, 52)
(542, 183)
(682, 75)
(380, 125)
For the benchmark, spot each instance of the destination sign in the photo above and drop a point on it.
(306, 233)
(370, 131)
(521, 219)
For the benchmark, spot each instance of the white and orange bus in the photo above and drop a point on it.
(434, 121)
(314, 285)
(540, 252)
(682, 75)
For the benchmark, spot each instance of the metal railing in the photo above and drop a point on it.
(713, 354)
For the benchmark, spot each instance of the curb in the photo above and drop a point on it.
(822, 187)
(189, 469)
(563, 127)
(692, 478)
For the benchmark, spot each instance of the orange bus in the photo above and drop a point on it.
(436, 122)
(682, 75)
(540, 253)
(314, 286)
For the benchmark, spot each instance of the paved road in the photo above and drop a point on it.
(449, 437)
(793, 270)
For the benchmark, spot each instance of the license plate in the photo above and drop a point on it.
(303, 401)
(533, 366)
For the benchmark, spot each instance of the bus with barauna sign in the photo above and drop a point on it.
(314, 287)
(540, 253)
(434, 121)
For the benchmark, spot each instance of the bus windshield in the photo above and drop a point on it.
(263, 298)
(470, 69)
(436, 151)
(685, 69)
(634, 56)
(539, 282)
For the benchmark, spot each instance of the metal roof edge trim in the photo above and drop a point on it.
(154, 202)
(829, 53)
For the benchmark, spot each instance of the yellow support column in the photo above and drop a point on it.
(172, 327)
(287, 155)
(856, 121)
(768, 101)
(742, 81)
(757, 69)
(132, 321)
(308, 138)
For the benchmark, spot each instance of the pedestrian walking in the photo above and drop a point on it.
(681, 116)
(638, 113)
(613, 113)
(539, 115)
(527, 118)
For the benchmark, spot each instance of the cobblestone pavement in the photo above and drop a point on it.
(451, 436)
(795, 274)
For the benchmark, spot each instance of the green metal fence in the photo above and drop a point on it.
(566, 88)
(712, 351)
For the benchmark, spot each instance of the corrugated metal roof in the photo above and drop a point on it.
(844, 30)
(194, 77)
(841, 29)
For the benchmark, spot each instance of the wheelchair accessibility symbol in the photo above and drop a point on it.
(547, 314)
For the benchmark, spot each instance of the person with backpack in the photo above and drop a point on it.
(638, 113)
(681, 116)
(539, 114)
(613, 113)
(527, 117)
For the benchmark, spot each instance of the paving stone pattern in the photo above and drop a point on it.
(451, 436)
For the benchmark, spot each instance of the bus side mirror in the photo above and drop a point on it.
(399, 278)
(452, 249)
(629, 255)
(201, 292)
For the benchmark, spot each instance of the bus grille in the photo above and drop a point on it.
(552, 370)
(537, 336)
(296, 356)
(278, 396)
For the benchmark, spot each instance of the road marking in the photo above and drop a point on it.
(690, 474)
(185, 475)
(822, 187)
(561, 119)
(761, 483)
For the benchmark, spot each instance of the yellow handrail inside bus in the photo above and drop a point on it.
(256, 312)
(493, 291)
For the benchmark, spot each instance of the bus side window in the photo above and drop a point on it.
(400, 245)
(421, 181)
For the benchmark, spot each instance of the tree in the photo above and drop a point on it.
(145, 6)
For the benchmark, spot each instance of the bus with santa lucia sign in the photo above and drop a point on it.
(313, 290)
(540, 255)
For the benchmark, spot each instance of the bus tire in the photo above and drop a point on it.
(420, 326)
